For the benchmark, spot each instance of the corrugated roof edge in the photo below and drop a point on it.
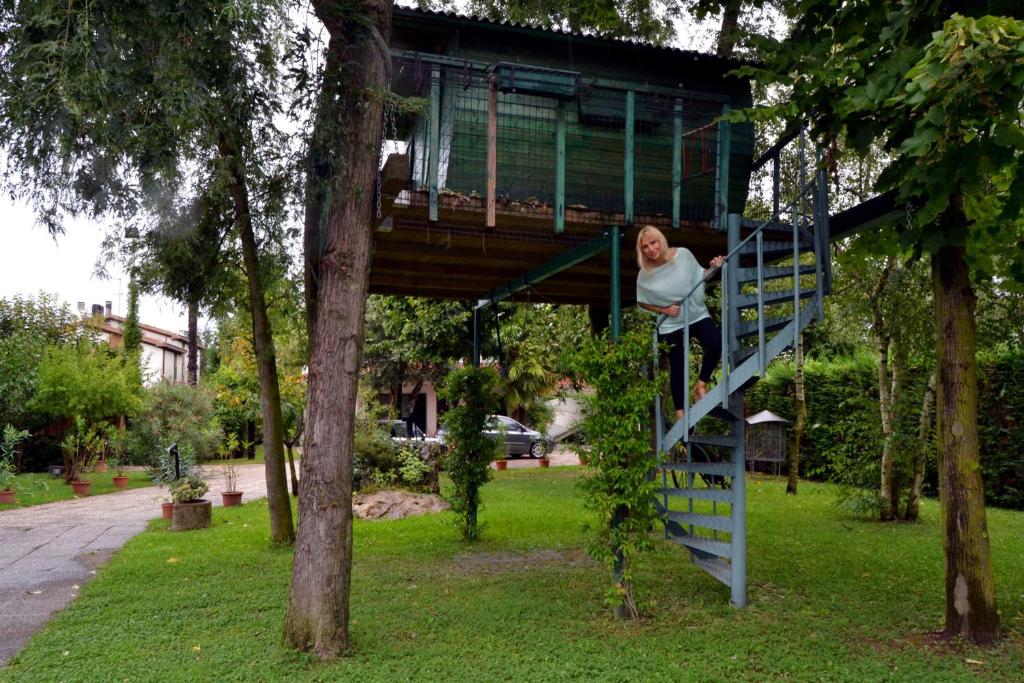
(415, 11)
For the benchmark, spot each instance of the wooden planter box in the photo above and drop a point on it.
(192, 515)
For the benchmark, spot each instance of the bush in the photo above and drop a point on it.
(174, 413)
(843, 441)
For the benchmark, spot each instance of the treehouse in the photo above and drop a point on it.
(532, 144)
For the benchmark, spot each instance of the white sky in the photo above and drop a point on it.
(31, 260)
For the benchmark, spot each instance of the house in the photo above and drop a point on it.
(164, 353)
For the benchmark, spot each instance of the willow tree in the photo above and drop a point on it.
(943, 93)
(108, 108)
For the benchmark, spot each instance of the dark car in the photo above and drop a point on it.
(518, 438)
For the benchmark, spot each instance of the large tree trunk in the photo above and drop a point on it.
(796, 436)
(318, 601)
(970, 586)
(193, 343)
(728, 32)
(924, 430)
(278, 502)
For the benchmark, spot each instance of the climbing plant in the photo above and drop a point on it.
(472, 395)
(617, 427)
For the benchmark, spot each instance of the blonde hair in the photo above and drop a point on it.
(641, 261)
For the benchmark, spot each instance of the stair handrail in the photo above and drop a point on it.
(758, 234)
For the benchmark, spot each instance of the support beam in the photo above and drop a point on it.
(560, 168)
(476, 337)
(492, 150)
(724, 145)
(677, 162)
(615, 285)
(552, 267)
(738, 511)
(628, 170)
(434, 141)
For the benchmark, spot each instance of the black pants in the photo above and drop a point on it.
(706, 332)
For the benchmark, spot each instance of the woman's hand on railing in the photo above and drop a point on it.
(670, 311)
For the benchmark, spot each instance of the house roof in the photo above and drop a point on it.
(413, 12)
(151, 338)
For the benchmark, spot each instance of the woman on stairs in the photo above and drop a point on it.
(667, 274)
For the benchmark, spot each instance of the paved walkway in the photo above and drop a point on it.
(47, 552)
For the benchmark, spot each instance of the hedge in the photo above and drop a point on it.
(844, 432)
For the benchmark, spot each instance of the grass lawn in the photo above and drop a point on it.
(39, 488)
(831, 598)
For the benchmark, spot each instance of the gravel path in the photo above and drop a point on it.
(47, 552)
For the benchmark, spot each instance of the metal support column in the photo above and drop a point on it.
(560, 168)
(677, 162)
(615, 285)
(434, 141)
(628, 170)
(476, 337)
(724, 145)
(738, 512)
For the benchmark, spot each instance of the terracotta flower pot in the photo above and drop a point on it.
(231, 498)
(501, 464)
(167, 510)
(100, 467)
(194, 514)
(81, 488)
(121, 481)
(7, 497)
(544, 462)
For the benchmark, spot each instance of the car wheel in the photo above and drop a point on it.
(537, 449)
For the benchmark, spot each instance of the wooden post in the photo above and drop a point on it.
(677, 162)
(628, 170)
(492, 150)
(560, 167)
(435, 137)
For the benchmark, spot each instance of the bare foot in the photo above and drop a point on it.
(700, 389)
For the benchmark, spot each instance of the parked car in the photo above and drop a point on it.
(519, 439)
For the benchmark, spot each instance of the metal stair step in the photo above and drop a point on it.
(715, 566)
(724, 414)
(772, 272)
(716, 522)
(720, 440)
(722, 469)
(717, 495)
(744, 301)
(745, 329)
(704, 545)
(775, 249)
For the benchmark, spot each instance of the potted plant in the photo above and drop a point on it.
(115, 448)
(120, 478)
(191, 511)
(544, 462)
(76, 458)
(231, 496)
(8, 448)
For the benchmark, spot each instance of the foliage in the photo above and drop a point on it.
(235, 384)
(648, 20)
(190, 487)
(174, 413)
(27, 326)
(9, 441)
(617, 428)
(132, 333)
(844, 435)
(85, 381)
(472, 397)
(409, 339)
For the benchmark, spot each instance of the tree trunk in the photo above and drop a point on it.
(796, 436)
(729, 30)
(924, 430)
(898, 457)
(193, 343)
(887, 506)
(281, 528)
(970, 586)
(318, 600)
(291, 470)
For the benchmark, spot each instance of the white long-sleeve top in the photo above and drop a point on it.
(669, 283)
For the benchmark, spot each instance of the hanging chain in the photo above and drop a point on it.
(389, 131)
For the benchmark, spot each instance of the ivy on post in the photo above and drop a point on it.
(618, 432)
(472, 396)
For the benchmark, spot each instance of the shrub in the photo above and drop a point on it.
(472, 396)
(617, 426)
(174, 413)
